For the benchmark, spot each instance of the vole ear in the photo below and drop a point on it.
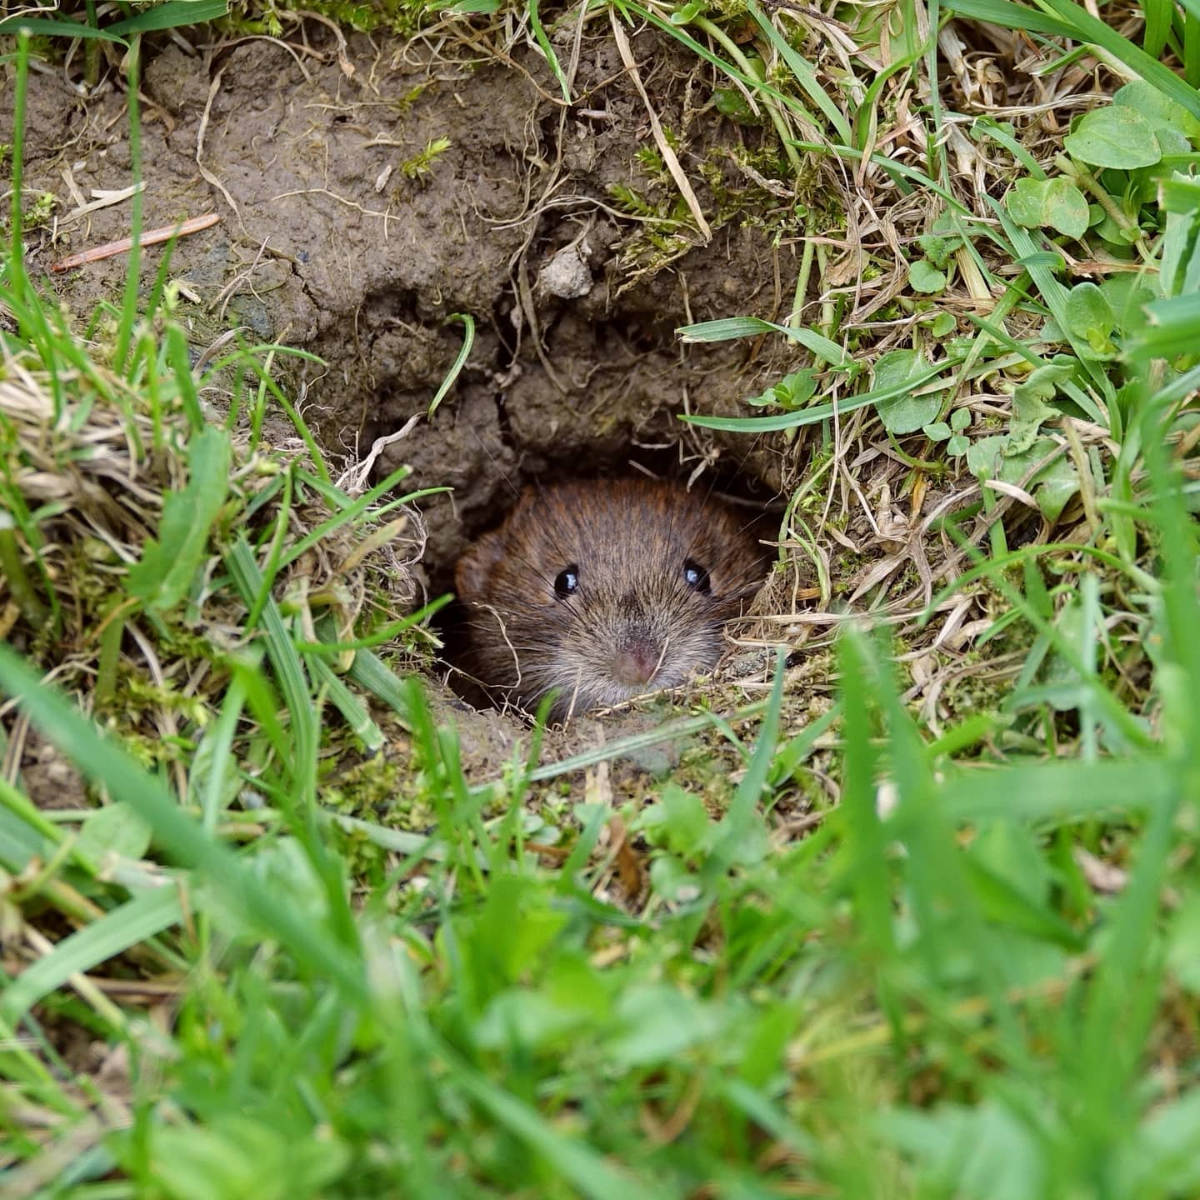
(473, 569)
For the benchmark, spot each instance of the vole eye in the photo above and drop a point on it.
(695, 576)
(566, 583)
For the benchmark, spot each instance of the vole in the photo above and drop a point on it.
(604, 590)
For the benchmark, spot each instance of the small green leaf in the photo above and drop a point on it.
(170, 564)
(924, 277)
(1090, 318)
(906, 414)
(237, 1155)
(681, 822)
(660, 1022)
(985, 459)
(958, 445)
(939, 431)
(687, 13)
(672, 880)
(1026, 203)
(1029, 405)
(1118, 137)
(1066, 208)
(1055, 203)
(1161, 111)
(1172, 141)
(938, 249)
(960, 418)
(943, 325)
(1052, 486)
(1107, 230)
(1043, 258)
(731, 104)
(791, 392)
(114, 829)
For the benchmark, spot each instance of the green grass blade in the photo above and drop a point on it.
(348, 511)
(730, 328)
(114, 933)
(869, 872)
(129, 304)
(539, 32)
(672, 730)
(216, 754)
(1087, 28)
(464, 352)
(111, 767)
(736, 822)
(1072, 21)
(353, 711)
(823, 412)
(370, 673)
(1055, 296)
(1059, 793)
(171, 15)
(1191, 45)
(289, 669)
(751, 82)
(57, 27)
(1159, 15)
(580, 1164)
(20, 840)
(1011, 16)
(805, 75)
(386, 633)
(169, 564)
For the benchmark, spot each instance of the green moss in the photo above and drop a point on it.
(362, 16)
(422, 163)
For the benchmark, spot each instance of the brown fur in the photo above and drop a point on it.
(629, 541)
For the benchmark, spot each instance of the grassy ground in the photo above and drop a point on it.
(940, 942)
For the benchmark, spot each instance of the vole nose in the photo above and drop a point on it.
(636, 661)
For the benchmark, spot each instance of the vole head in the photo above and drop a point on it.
(604, 591)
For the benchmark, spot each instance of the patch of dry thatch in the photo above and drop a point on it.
(84, 481)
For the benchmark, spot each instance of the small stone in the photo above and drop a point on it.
(566, 275)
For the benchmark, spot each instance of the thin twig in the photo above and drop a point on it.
(151, 238)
